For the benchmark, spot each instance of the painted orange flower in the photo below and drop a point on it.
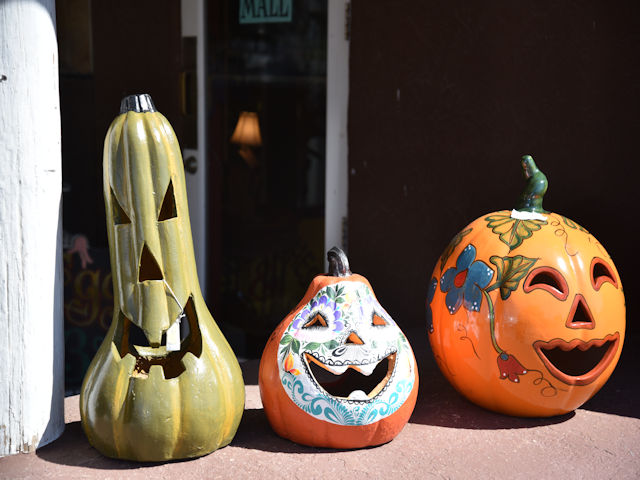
(288, 365)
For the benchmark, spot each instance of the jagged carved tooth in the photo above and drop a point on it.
(366, 369)
(358, 395)
(337, 369)
(173, 337)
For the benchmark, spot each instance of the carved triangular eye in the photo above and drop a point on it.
(378, 320)
(168, 208)
(317, 321)
(120, 217)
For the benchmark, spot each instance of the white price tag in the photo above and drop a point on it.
(173, 335)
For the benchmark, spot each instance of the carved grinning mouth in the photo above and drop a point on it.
(350, 381)
(131, 340)
(577, 362)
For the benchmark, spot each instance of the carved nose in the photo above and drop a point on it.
(580, 316)
(149, 268)
(354, 339)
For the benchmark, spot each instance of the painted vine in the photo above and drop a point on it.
(469, 282)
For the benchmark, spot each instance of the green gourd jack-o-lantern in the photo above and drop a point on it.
(165, 383)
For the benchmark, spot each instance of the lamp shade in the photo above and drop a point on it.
(247, 130)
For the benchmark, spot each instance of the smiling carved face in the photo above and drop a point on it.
(527, 314)
(164, 384)
(344, 353)
(338, 372)
(570, 308)
(150, 233)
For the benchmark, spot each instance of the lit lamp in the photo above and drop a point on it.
(247, 135)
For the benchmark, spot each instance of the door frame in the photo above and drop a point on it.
(193, 21)
(336, 156)
(336, 163)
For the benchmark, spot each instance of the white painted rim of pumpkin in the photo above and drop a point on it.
(522, 215)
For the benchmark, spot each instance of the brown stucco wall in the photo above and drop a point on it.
(445, 96)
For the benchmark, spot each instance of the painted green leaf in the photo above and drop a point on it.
(331, 292)
(331, 344)
(452, 246)
(510, 271)
(285, 351)
(512, 231)
(313, 346)
(286, 340)
(295, 345)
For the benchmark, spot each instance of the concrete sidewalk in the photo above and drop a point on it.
(447, 437)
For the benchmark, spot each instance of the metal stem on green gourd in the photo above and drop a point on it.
(338, 263)
(139, 103)
(530, 199)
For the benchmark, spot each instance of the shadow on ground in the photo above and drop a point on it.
(621, 394)
(73, 449)
(255, 433)
(440, 404)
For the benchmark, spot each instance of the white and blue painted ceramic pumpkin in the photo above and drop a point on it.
(338, 372)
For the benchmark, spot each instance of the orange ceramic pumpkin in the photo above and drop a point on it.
(338, 372)
(526, 309)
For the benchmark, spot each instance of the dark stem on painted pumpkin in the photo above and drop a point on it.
(139, 103)
(530, 199)
(338, 263)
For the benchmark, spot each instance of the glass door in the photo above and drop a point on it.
(266, 122)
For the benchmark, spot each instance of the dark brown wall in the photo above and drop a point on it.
(136, 48)
(109, 50)
(445, 96)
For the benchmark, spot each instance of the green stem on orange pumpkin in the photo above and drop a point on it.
(530, 199)
(492, 320)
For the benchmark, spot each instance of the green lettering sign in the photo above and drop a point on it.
(265, 11)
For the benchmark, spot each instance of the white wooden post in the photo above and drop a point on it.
(194, 23)
(31, 283)
(337, 175)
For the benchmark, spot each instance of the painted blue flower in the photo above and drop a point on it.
(338, 324)
(465, 281)
(301, 316)
(433, 284)
(319, 302)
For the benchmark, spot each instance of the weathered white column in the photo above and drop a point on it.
(337, 146)
(31, 295)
